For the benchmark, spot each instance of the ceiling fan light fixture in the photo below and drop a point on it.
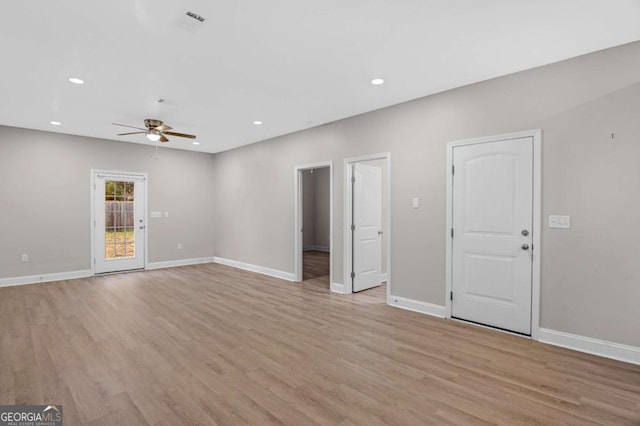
(156, 130)
(153, 136)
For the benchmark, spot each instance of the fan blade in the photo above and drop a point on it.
(131, 133)
(163, 139)
(181, 135)
(163, 127)
(125, 125)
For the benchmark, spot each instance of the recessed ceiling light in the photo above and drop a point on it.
(196, 143)
(257, 122)
(55, 123)
(75, 80)
(377, 81)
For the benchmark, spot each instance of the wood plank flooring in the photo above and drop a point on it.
(209, 344)
(315, 264)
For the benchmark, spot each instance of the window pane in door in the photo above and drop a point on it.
(119, 219)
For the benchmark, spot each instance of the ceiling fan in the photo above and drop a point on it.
(155, 130)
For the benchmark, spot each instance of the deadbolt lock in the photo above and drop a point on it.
(525, 232)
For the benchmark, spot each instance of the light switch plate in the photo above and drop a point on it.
(415, 202)
(556, 221)
(156, 214)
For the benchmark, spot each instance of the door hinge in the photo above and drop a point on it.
(353, 275)
(353, 179)
(353, 227)
(451, 232)
(451, 295)
(453, 169)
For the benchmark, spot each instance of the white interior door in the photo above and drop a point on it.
(119, 222)
(492, 233)
(367, 229)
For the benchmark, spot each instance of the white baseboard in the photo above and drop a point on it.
(180, 262)
(337, 288)
(289, 276)
(589, 345)
(417, 306)
(43, 278)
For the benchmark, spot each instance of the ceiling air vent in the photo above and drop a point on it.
(195, 16)
(190, 21)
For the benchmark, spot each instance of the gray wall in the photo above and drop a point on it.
(589, 273)
(45, 199)
(316, 208)
(322, 207)
(308, 209)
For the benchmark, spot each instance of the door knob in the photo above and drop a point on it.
(525, 232)
(525, 247)
(379, 232)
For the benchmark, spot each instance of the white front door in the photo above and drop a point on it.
(492, 233)
(367, 229)
(119, 222)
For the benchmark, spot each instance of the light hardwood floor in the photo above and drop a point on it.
(315, 264)
(209, 344)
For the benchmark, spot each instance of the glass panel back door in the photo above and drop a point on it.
(119, 228)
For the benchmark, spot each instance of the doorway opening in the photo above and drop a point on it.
(367, 225)
(118, 221)
(313, 247)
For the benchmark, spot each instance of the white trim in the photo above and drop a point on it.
(536, 134)
(383, 277)
(255, 268)
(536, 252)
(179, 262)
(111, 173)
(346, 222)
(337, 288)
(44, 278)
(589, 345)
(417, 306)
(297, 206)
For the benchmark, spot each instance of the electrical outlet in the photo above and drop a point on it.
(179, 246)
(556, 221)
(25, 257)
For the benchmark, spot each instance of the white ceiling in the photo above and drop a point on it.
(292, 64)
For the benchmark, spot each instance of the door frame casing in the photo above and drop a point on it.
(536, 134)
(298, 212)
(92, 190)
(348, 212)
